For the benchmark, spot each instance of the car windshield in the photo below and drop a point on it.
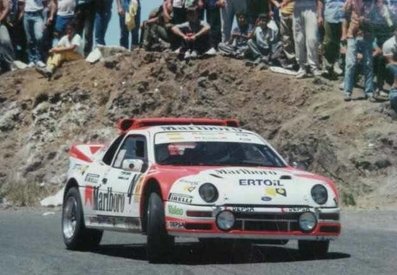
(216, 153)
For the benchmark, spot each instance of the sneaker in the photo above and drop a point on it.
(187, 54)
(301, 73)
(370, 97)
(317, 72)
(31, 65)
(337, 69)
(211, 51)
(347, 96)
(40, 64)
(193, 54)
(177, 51)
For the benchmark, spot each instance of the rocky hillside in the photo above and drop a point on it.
(355, 143)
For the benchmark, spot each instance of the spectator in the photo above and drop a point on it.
(265, 45)
(237, 46)
(256, 7)
(214, 20)
(286, 9)
(6, 49)
(49, 14)
(69, 48)
(85, 16)
(34, 27)
(383, 23)
(229, 9)
(122, 8)
(333, 18)
(359, 33)
(194, 34)
(155, 31)
(102, 18)
(392, 69)
(65, 15)
(305, 26)
(16, 30)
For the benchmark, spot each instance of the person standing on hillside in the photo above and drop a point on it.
(334, 16)
(359, 34)
(286, 9)
(123, 7)
(85, 16)
(34, 26)
(6, 49)
(213, 16)
(229, 8)
(307, 16)
(102, 18)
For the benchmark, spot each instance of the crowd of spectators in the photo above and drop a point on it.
(328, 38)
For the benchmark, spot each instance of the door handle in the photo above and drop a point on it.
(104, 180)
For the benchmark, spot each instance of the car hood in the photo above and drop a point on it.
(252, 186)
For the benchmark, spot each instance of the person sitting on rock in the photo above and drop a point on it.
(195, 34)
(265, 45)
(155, 30)
(237, 46)
(69, 48)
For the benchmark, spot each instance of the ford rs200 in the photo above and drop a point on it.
(194, 177)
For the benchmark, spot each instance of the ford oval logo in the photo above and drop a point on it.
(265, 198)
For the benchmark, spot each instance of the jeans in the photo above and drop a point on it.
(353, 46)
(34, 27)
(228, 12)
(331, 44)
(393, 99)
(214, 20)
(6, 49)
(287, 35)
(85, 15)
(61, 23)
(124, 33)
(102, 18)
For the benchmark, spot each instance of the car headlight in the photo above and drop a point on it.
(208, 192)
(307, 221)
(225, 220)
(319, 194)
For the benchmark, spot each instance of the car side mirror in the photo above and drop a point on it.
(299, 165)
(134, 165)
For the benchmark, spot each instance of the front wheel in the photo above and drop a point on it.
(313, 249)
(75, 235)
(159, 243)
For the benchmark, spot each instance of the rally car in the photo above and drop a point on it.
(194, 177)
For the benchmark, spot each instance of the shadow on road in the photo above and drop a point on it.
(196, 254)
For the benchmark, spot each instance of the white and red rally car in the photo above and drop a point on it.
(192, 177)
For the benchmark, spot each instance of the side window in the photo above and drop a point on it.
(134, 147)
(107, 158)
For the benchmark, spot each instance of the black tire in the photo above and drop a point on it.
(313, 249)
(159, 243)
(75, 235)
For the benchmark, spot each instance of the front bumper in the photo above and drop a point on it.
(251, 222)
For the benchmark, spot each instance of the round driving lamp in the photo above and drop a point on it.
(319, 194)
(208, 192)
(307, 221)
(225, 220)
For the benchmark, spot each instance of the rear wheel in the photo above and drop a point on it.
(159, 243)
(75, 235)
(313, 249)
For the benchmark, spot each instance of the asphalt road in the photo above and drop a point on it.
(31, 243)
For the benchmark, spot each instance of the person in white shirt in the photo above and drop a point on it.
(69, 48)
